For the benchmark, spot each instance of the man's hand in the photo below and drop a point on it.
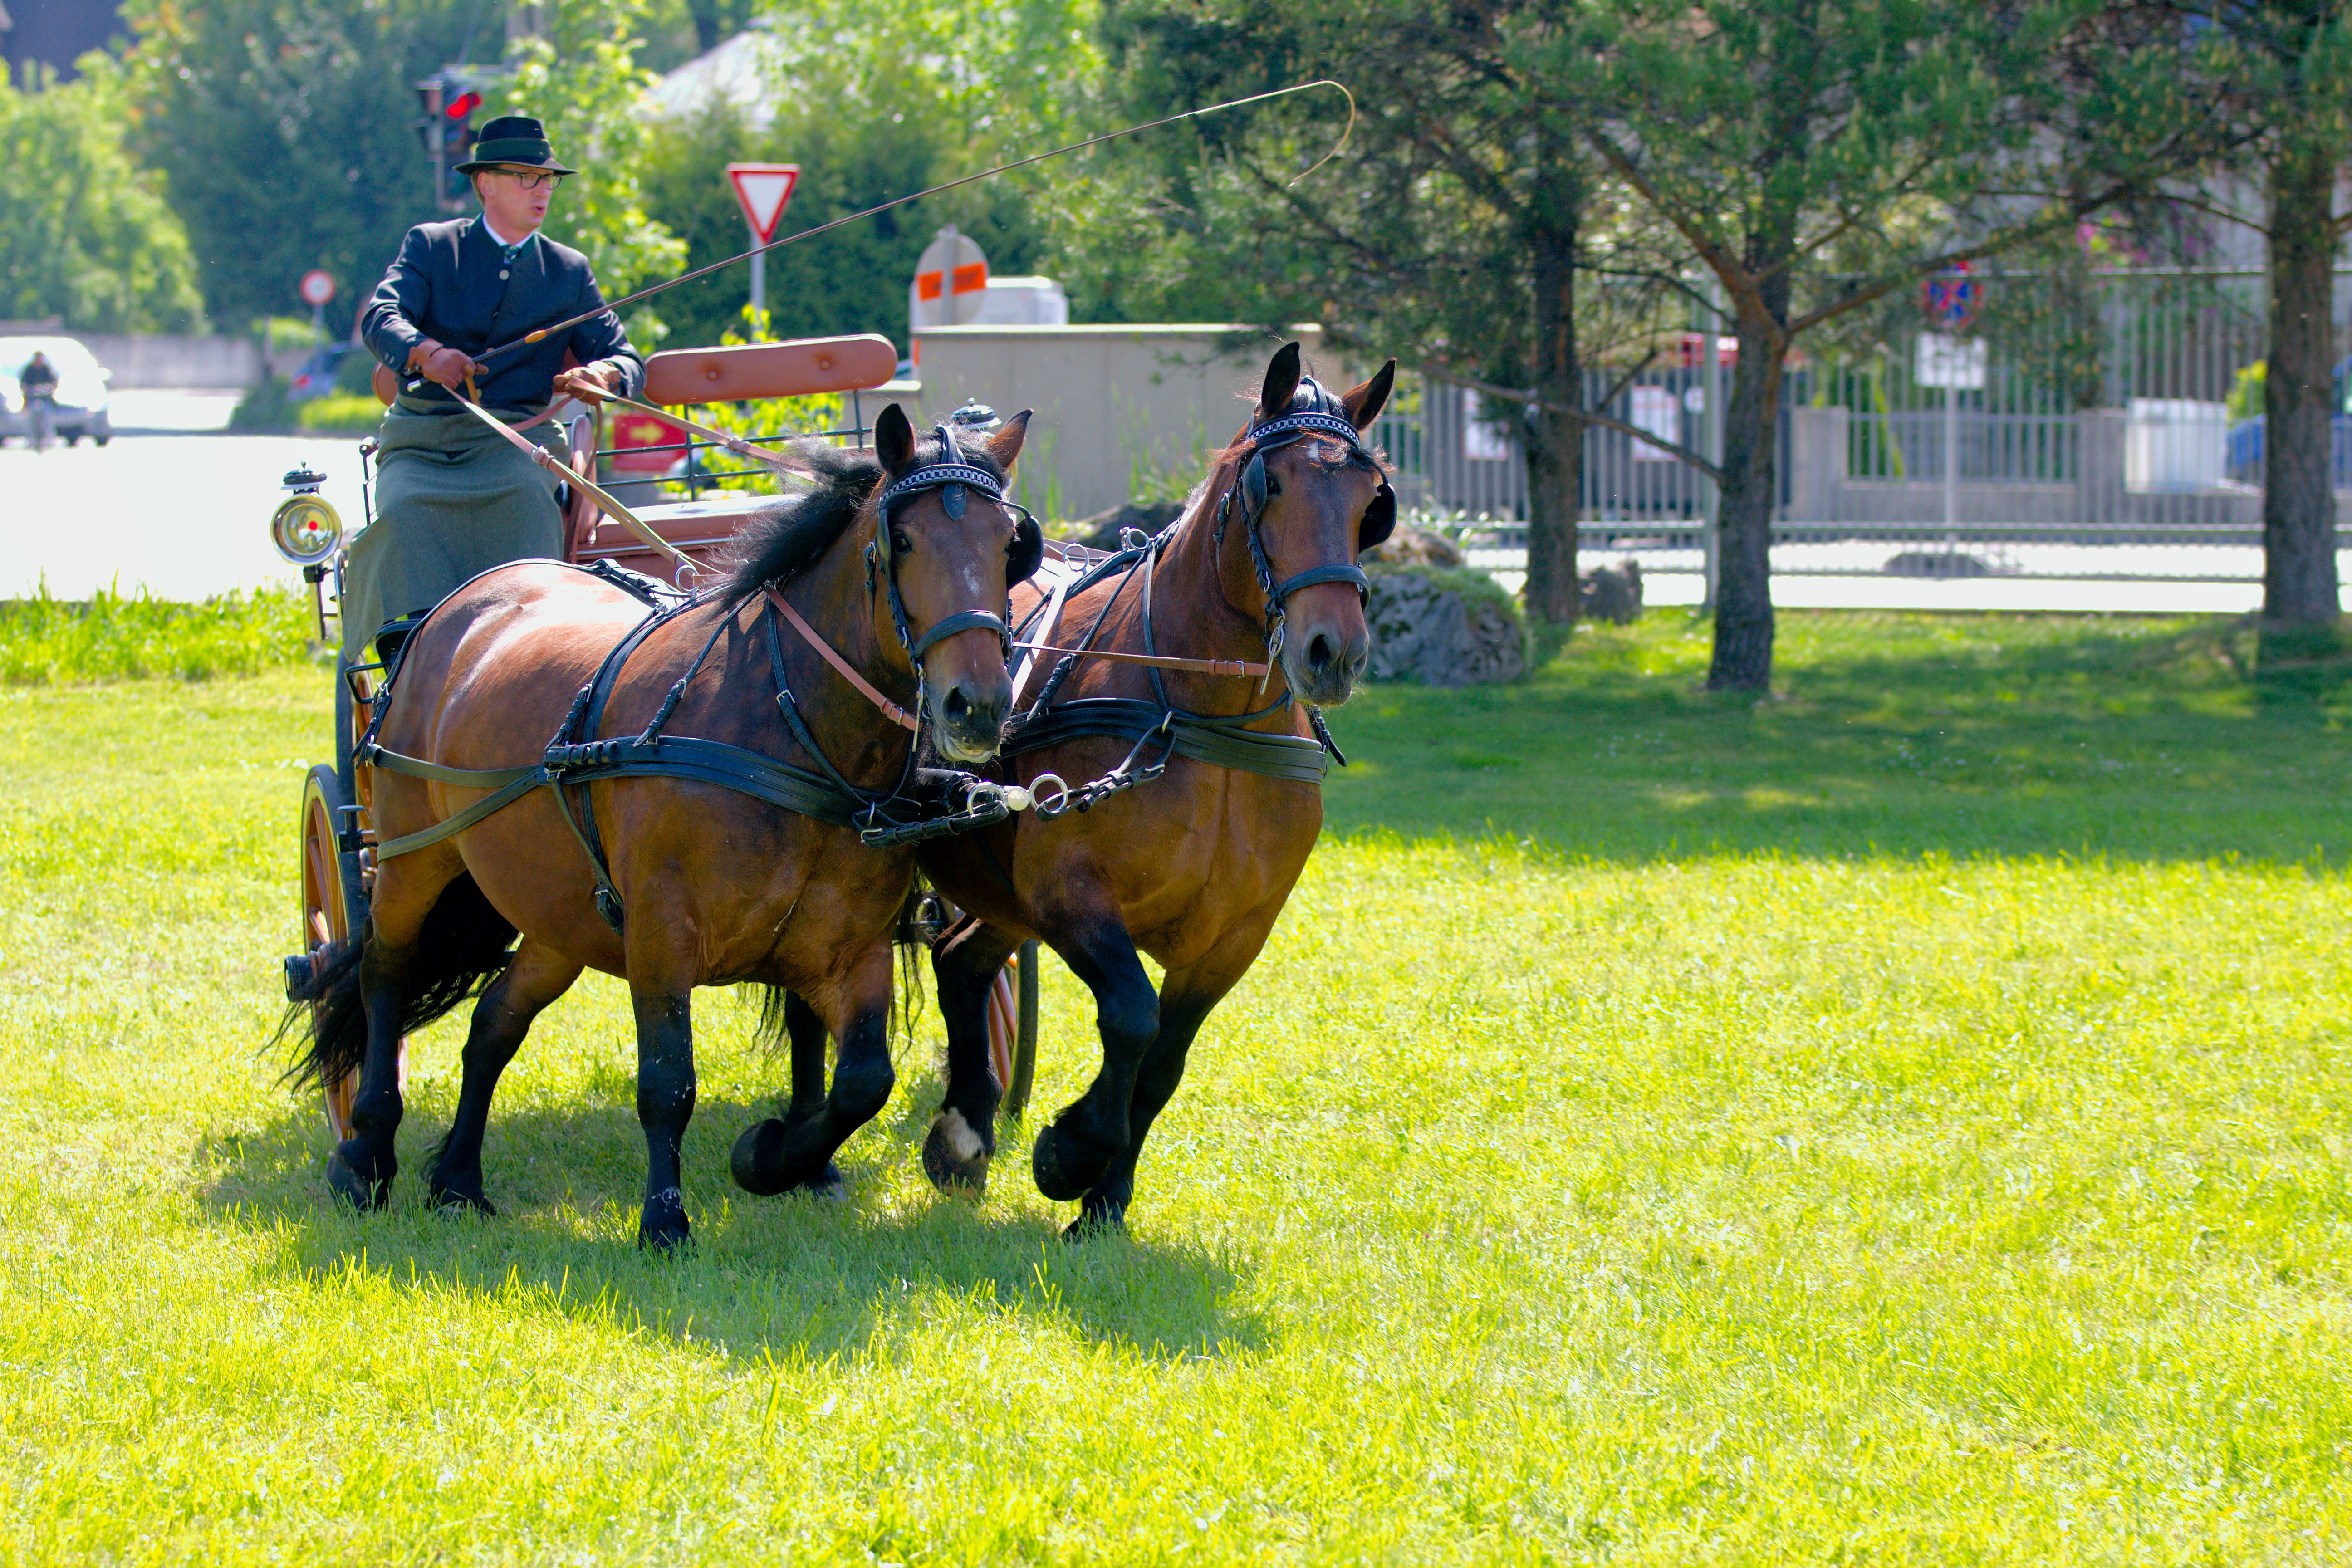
(589, 383)
(448, 367)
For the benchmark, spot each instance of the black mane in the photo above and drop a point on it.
(791, 534)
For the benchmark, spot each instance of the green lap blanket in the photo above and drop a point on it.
(452, 500)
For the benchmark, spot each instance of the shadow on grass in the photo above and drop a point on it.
(776, 1278)
(2123, 738)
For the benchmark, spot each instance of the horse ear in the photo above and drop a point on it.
(894, 440)
(1004, 447)
(1364, 403)
(1281, 375)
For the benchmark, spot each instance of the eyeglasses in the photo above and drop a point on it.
(529, 181)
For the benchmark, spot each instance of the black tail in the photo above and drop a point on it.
(463, 947)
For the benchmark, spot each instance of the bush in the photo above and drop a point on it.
(341, 411)
(46, 641)
(266, 407)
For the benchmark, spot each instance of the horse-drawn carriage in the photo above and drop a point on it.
(867, 711)
(337, 841)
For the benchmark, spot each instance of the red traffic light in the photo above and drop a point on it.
(465, 105)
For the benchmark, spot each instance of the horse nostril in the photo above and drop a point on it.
(957, 705)
(1320, 652)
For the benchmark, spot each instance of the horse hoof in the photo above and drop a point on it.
(662, 1228)
(955, 1157)
(757, 1159)
(827, 1186)
(453, 1203)
(1055, 1179)
(1095, 1223)
(345, 1181)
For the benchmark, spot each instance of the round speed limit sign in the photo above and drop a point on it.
(317, 287)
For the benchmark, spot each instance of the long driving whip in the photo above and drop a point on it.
(984, 174)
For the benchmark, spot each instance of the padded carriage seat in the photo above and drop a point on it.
(685, 377)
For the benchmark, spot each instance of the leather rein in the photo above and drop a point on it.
(1225, 741)
(944, 801)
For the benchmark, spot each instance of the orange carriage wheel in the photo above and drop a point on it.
(1013, 1029)
(327, 916)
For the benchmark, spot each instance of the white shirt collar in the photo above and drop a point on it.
(499, 240)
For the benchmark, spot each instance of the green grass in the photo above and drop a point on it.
(117, 636)
(1903, 1122)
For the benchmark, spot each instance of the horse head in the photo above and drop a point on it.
(1310, 497)
(943, 556)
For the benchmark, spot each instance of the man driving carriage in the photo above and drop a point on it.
(452, 498)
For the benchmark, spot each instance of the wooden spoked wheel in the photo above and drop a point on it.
(1004, 1022)
(326, 914)
(1013, 1029)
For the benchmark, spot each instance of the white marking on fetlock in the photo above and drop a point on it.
(963, 1141)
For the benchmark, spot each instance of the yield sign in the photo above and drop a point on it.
(764, 189)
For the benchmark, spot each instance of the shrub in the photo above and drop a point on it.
(341, 411)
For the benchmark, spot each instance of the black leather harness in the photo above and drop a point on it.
(1221, 741)
(924, 803)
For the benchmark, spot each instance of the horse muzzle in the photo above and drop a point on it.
(968, 720)
(1323, 665)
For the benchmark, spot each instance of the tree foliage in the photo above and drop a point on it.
(872, 104)
(1464, 229)
(579, 76)
(85, 233)
(1816, 155)
(286, 128)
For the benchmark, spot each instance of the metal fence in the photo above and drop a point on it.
(2111, 431)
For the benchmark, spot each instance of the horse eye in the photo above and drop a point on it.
(1273, 485)
(901, 543)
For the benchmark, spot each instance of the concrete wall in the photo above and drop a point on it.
(1110, 402)
(141, 360)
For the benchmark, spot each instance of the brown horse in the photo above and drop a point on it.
(694, 882)
(1193, 866)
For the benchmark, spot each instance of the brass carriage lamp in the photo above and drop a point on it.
(305, 529)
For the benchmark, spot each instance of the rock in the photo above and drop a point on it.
(1101, 531)
(1611, 594)
(1439, 627)
(1410, 546)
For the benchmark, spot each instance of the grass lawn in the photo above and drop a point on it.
(1904, 1122)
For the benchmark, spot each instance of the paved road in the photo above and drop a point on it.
(177, 506)
(168, 506)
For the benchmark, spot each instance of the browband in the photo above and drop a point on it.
(1288, 424)
(931, 476)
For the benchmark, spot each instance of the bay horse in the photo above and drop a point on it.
(1193, 866)
(869, 606)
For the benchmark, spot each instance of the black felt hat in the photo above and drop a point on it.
(515, 138)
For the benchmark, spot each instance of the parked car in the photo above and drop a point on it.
(317, 376)
(81, 404)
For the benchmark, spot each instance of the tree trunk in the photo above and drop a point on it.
(1751, 428)
(1555, 439)
(2299, 578)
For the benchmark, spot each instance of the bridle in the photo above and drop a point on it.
(952, 476)
(1379, 518)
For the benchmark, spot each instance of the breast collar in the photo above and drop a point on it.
(1319, 419)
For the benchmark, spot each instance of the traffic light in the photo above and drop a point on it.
(450, 97)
